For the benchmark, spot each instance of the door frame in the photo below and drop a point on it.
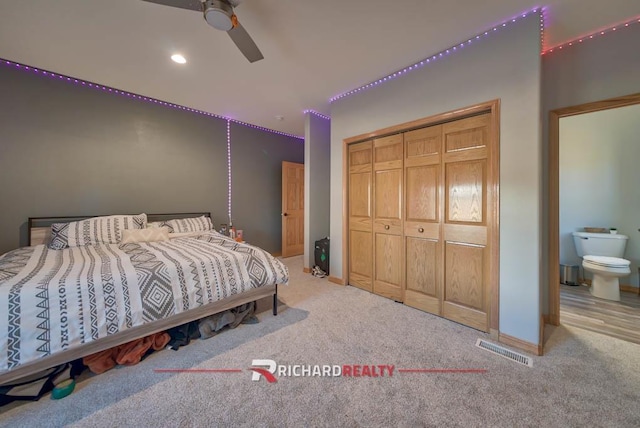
(554, 190)
(492, 107)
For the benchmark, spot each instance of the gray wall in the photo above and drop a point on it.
(600, 68)
(505, 65)
(317, 160)
(256, 164)
(67, 149)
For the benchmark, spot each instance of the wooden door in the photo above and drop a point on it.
(292, 209)
(387, 217)
(422, 218)
(466, 253)
(360, 215)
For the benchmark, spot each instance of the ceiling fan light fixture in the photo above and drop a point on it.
(218, 14)
(178, 58)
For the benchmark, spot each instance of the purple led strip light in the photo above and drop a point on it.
(591, 36)
(441, 54)
(229, 169)
(136, 96)
(543, 21)
(317, 114)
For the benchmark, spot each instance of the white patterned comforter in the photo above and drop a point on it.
(53, 300)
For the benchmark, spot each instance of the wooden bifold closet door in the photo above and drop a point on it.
(418, 219)
(423, 244)
(466, 172)
(387, 217)
(360, 215)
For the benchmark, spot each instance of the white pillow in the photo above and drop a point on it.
(95, 230)
(155, 234)
(193, 224)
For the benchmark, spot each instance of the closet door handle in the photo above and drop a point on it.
(420, 229)
(386, 227)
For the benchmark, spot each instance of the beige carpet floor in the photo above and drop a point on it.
(585, 379)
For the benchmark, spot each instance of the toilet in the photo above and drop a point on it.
(602, 256)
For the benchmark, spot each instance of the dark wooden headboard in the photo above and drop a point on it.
(39, 228)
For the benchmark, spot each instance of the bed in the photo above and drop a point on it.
(67, 296)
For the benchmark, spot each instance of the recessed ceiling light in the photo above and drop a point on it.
(178, 58)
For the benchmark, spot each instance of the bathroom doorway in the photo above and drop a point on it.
(587, 178)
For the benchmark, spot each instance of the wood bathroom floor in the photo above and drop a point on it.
(621, 319)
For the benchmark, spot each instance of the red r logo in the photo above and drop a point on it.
(267, 373)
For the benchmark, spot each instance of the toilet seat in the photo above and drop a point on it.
(607, 262)
(606, 273)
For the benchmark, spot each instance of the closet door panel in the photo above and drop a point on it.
(422, 171)
(466, 263)
(466, 191)
(467, 134)
(423, 274)
(388, 200)
(360, 199)
(387, 217)
(361, 259)
(422, 184)
(422, 144)
(465, 274)
(388, 271)
(388, 152)
(360, 155)
(360, 204)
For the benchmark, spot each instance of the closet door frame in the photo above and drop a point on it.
(492, 107)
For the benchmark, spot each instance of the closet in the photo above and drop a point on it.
(422, 216)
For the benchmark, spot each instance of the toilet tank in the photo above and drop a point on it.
(599, 244)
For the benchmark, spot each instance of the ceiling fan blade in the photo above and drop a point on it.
(182, 4)
(245, 43)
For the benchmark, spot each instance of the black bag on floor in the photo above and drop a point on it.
(31, 388)
(322, 254)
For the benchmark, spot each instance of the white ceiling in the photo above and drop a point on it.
(314, 49)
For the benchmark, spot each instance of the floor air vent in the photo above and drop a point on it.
(505, 353)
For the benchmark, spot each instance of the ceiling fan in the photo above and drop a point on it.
(219, 14)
